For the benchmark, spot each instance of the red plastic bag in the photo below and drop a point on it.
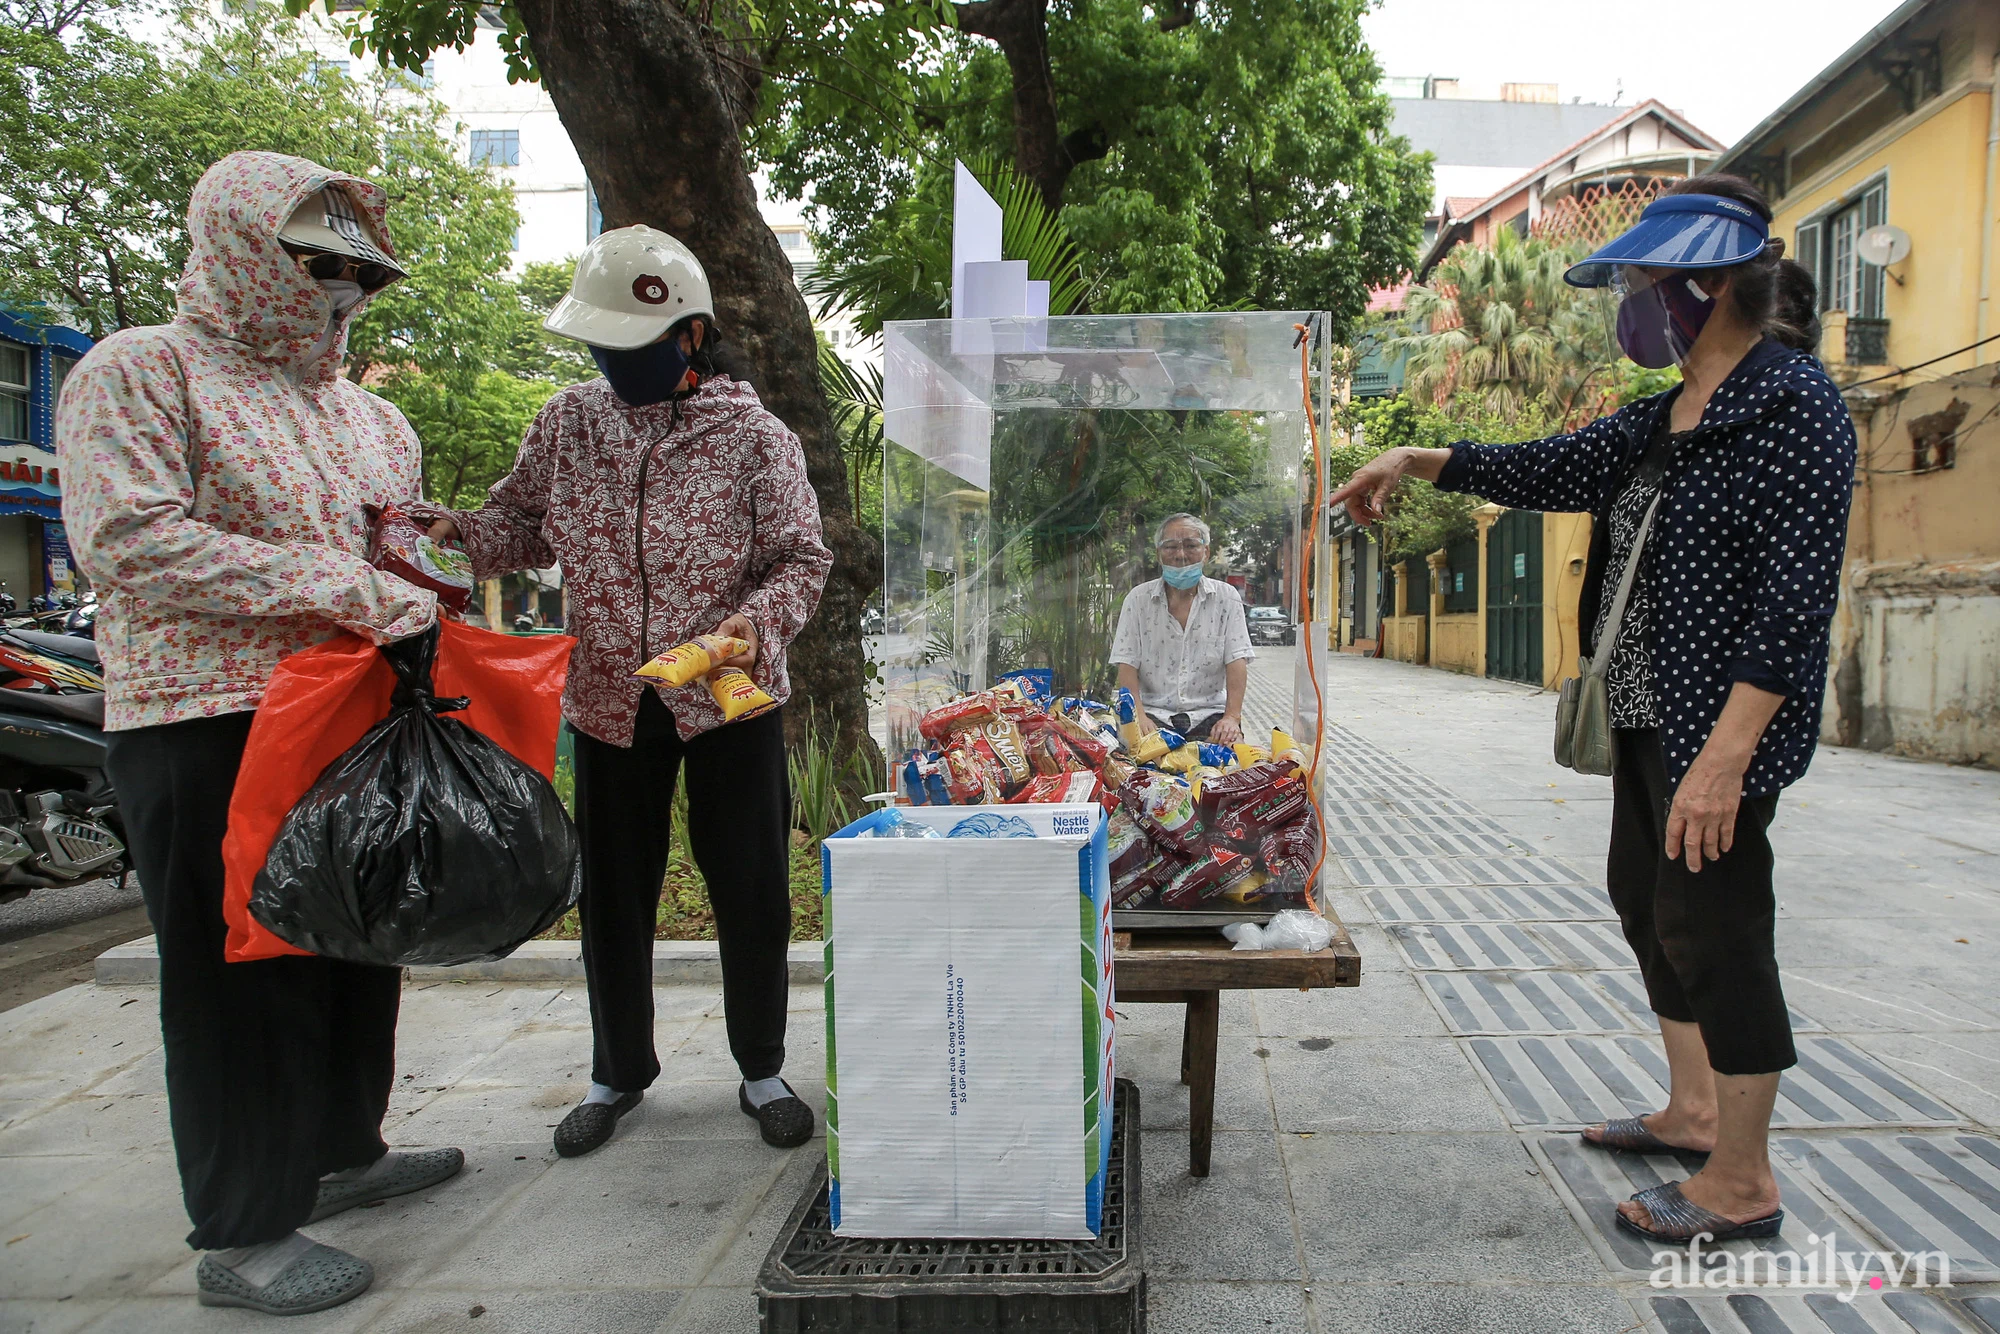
(320, 701)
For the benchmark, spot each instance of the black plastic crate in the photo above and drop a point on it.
(816, 1283)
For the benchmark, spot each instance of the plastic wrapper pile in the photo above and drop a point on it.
(1193, 825)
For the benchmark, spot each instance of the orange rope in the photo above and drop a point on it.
(1312, 672)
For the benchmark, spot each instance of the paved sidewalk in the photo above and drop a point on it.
(1390, 1158)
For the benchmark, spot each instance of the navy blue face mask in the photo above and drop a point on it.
(645, 375)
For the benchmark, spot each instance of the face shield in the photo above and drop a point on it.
(1651, 301)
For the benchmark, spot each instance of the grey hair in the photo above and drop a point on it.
(1160, 532)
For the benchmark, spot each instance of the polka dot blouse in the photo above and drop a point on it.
(1744, 561)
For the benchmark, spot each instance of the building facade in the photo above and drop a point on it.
(1898, 141)
(35, 359)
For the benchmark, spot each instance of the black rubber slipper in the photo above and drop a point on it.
(1678, 1220)
(589, 1124)
(785, 1123)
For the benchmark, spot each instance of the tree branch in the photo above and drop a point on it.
(1176, 14)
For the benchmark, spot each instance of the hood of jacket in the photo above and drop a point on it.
(240, 284)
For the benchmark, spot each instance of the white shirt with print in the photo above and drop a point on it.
(1181, 670)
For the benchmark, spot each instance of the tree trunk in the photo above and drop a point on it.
(1042, 153)
(655, 112)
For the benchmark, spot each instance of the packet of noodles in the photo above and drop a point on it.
(403, 547)
(697, 658)
(1181, 759)
(1210, 877)
(968, 711)
(737, 695)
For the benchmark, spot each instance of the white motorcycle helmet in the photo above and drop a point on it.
(631, 286)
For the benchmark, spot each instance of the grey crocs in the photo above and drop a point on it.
(318, 1279)
(1628, 1134)
(1679, 1220)
(412, 1171)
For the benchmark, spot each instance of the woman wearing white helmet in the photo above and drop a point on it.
(677, 505)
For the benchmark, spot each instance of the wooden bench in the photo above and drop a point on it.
(1193, 968)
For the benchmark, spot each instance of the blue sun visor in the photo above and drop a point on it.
(1679, 232)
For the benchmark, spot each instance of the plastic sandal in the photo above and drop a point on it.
(1679, 1220)
(1628, 1134)
(589, 1124)
(320, 1278)
(410, 1172)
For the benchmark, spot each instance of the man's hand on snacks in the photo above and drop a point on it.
(1228, 730)
(739, 627)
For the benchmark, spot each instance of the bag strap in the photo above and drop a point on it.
(1601, 660)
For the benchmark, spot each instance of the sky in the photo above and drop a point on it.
(1724, 64)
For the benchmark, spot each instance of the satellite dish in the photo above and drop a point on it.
(1883, 245)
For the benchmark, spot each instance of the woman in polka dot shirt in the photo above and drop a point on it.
(1719, 667)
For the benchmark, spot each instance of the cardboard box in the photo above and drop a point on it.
(969, 1032)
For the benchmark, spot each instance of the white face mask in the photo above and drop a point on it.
(345, 296)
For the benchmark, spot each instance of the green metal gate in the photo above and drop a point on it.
(1514, 597)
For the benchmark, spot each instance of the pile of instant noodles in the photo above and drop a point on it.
(1192, 824)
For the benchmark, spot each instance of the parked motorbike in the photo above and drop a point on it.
(59, 821)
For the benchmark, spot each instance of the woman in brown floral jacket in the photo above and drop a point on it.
(677, 505)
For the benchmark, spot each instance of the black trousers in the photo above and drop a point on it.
(1179, 722)
(278, 1071)
(1704, 939)
(739, 831)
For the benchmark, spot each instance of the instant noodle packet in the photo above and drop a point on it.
(403, 547)
(1210, 877)
(1285, 750)
(1164, 806)
(1150, 748)
(1247, 755)
(685, 663)
(1181, 759)
(737, 695)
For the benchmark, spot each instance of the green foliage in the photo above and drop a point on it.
(1499, 326)
(533, 352)
(1241, 157)
(855, 397)
(826, 785)
(102, 139)
(470, 432)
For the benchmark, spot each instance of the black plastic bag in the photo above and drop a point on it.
(425, 843)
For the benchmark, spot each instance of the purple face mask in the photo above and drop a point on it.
(1656, 327)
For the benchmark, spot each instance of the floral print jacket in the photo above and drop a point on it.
(667, 520)
(214, 469)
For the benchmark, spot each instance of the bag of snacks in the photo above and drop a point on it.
(403, 547)
(1245, 821)
(685, 663)
(1164, 806)
(967, 712)
(1209, 877)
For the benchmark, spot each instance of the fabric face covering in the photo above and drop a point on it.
(344, 296)
(645, 375)
(1657, 326)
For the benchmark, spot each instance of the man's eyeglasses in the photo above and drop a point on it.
(1182, 548)
(326, 265)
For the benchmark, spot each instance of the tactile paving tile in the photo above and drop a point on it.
(1588, 945)
(1595, 1182)
(1370, 818)
(1497, 903)
(1575, 1081)
(1985, 1313)
(1774, 1311)
(1442, 945)
(1460, 871)
(1917, 1193)
(1493, 1004)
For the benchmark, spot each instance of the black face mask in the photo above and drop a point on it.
(644, 375)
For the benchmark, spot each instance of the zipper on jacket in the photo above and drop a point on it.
(639, 542)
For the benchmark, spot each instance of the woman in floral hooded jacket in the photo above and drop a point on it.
(215, 474)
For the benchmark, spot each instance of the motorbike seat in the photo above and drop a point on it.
(70, 646)
(79, 708)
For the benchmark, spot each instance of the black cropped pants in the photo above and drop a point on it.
(1704, 939)
(740, 834)
(278, 1071)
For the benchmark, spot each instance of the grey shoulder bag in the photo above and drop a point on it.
(1583, 709)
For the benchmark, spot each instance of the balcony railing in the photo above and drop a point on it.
(1867, 342)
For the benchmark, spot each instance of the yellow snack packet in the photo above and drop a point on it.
(737, 695)
(1247, 754)
(1198, 775)
(1148, 749)
(692, 660)
(1284, 748)
(1182, 760)
(1248, 889)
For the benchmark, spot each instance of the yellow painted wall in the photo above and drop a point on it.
(1565, 545)
(1455, 643)
(1936, 174)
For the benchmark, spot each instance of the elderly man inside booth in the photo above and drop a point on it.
(1183, 642)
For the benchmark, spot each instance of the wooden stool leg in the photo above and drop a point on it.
(1204, 1011)
(1187, 1041)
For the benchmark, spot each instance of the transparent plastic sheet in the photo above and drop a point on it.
(1026, 465)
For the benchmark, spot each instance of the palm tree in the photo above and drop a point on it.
(1500, 326)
